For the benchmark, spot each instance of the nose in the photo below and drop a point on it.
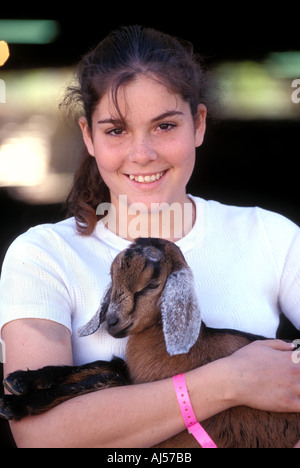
(112, 320)
(142, 151)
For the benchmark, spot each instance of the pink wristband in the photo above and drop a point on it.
(188, 414)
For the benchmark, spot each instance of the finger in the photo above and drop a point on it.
(279, 345)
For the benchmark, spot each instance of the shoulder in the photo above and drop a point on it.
(62, 229)
(220, 213)
(241, 223)
(51, 246)
(44, 237)
(252, 217)
(59, 245)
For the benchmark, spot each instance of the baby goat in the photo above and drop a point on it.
(152, 300)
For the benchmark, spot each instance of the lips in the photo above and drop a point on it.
(116, 333)
(146, 179)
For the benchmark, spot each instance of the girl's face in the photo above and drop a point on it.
(150, 156)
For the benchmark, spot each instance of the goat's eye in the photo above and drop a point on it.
(149, 287)
(152, 286)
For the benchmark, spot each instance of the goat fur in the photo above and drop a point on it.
(151, 298)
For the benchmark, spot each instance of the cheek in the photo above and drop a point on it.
(182, 150)
(183, 157)
(184, 162)
(108, 161)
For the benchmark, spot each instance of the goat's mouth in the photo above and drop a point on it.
(116, 332)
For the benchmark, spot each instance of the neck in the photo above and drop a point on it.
(162, 220)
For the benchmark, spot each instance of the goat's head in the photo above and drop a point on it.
(151, 281)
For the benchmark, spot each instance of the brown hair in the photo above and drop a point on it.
(116, 61)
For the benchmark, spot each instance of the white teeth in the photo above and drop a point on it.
(147, 179)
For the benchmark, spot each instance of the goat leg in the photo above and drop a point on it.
(71, 382)
(25, 382)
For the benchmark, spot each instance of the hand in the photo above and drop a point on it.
(265, 376)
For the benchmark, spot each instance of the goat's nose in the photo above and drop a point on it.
(112, 321)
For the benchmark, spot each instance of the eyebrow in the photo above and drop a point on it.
(109, 121)
(165, 115)
(155, 119)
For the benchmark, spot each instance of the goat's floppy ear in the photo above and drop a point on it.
(99, 317)
(152, 253)
(180, 312)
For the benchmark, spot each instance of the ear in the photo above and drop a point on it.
(181, 316)
(200, 125)
(99, 317)
(152, 253)
(87, 136)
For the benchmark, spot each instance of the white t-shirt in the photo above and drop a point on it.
(245, 261)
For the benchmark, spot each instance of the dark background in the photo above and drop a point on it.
(241, 162)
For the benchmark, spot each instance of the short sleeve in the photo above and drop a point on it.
(33, 283)
(290, 283)
(284, 238)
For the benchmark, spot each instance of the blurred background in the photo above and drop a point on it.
(250, 154)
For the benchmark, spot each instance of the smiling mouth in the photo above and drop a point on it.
(147, 179)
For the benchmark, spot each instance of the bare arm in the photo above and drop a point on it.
(134, 416)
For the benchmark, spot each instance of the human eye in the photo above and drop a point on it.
(166, 126)
(116, 131)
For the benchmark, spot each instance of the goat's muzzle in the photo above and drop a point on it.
(116, 327)
(119, 333)
(116, 330)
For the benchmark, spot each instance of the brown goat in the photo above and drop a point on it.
(152, 300)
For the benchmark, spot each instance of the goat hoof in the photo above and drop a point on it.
(15, 384)
(5, 410)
